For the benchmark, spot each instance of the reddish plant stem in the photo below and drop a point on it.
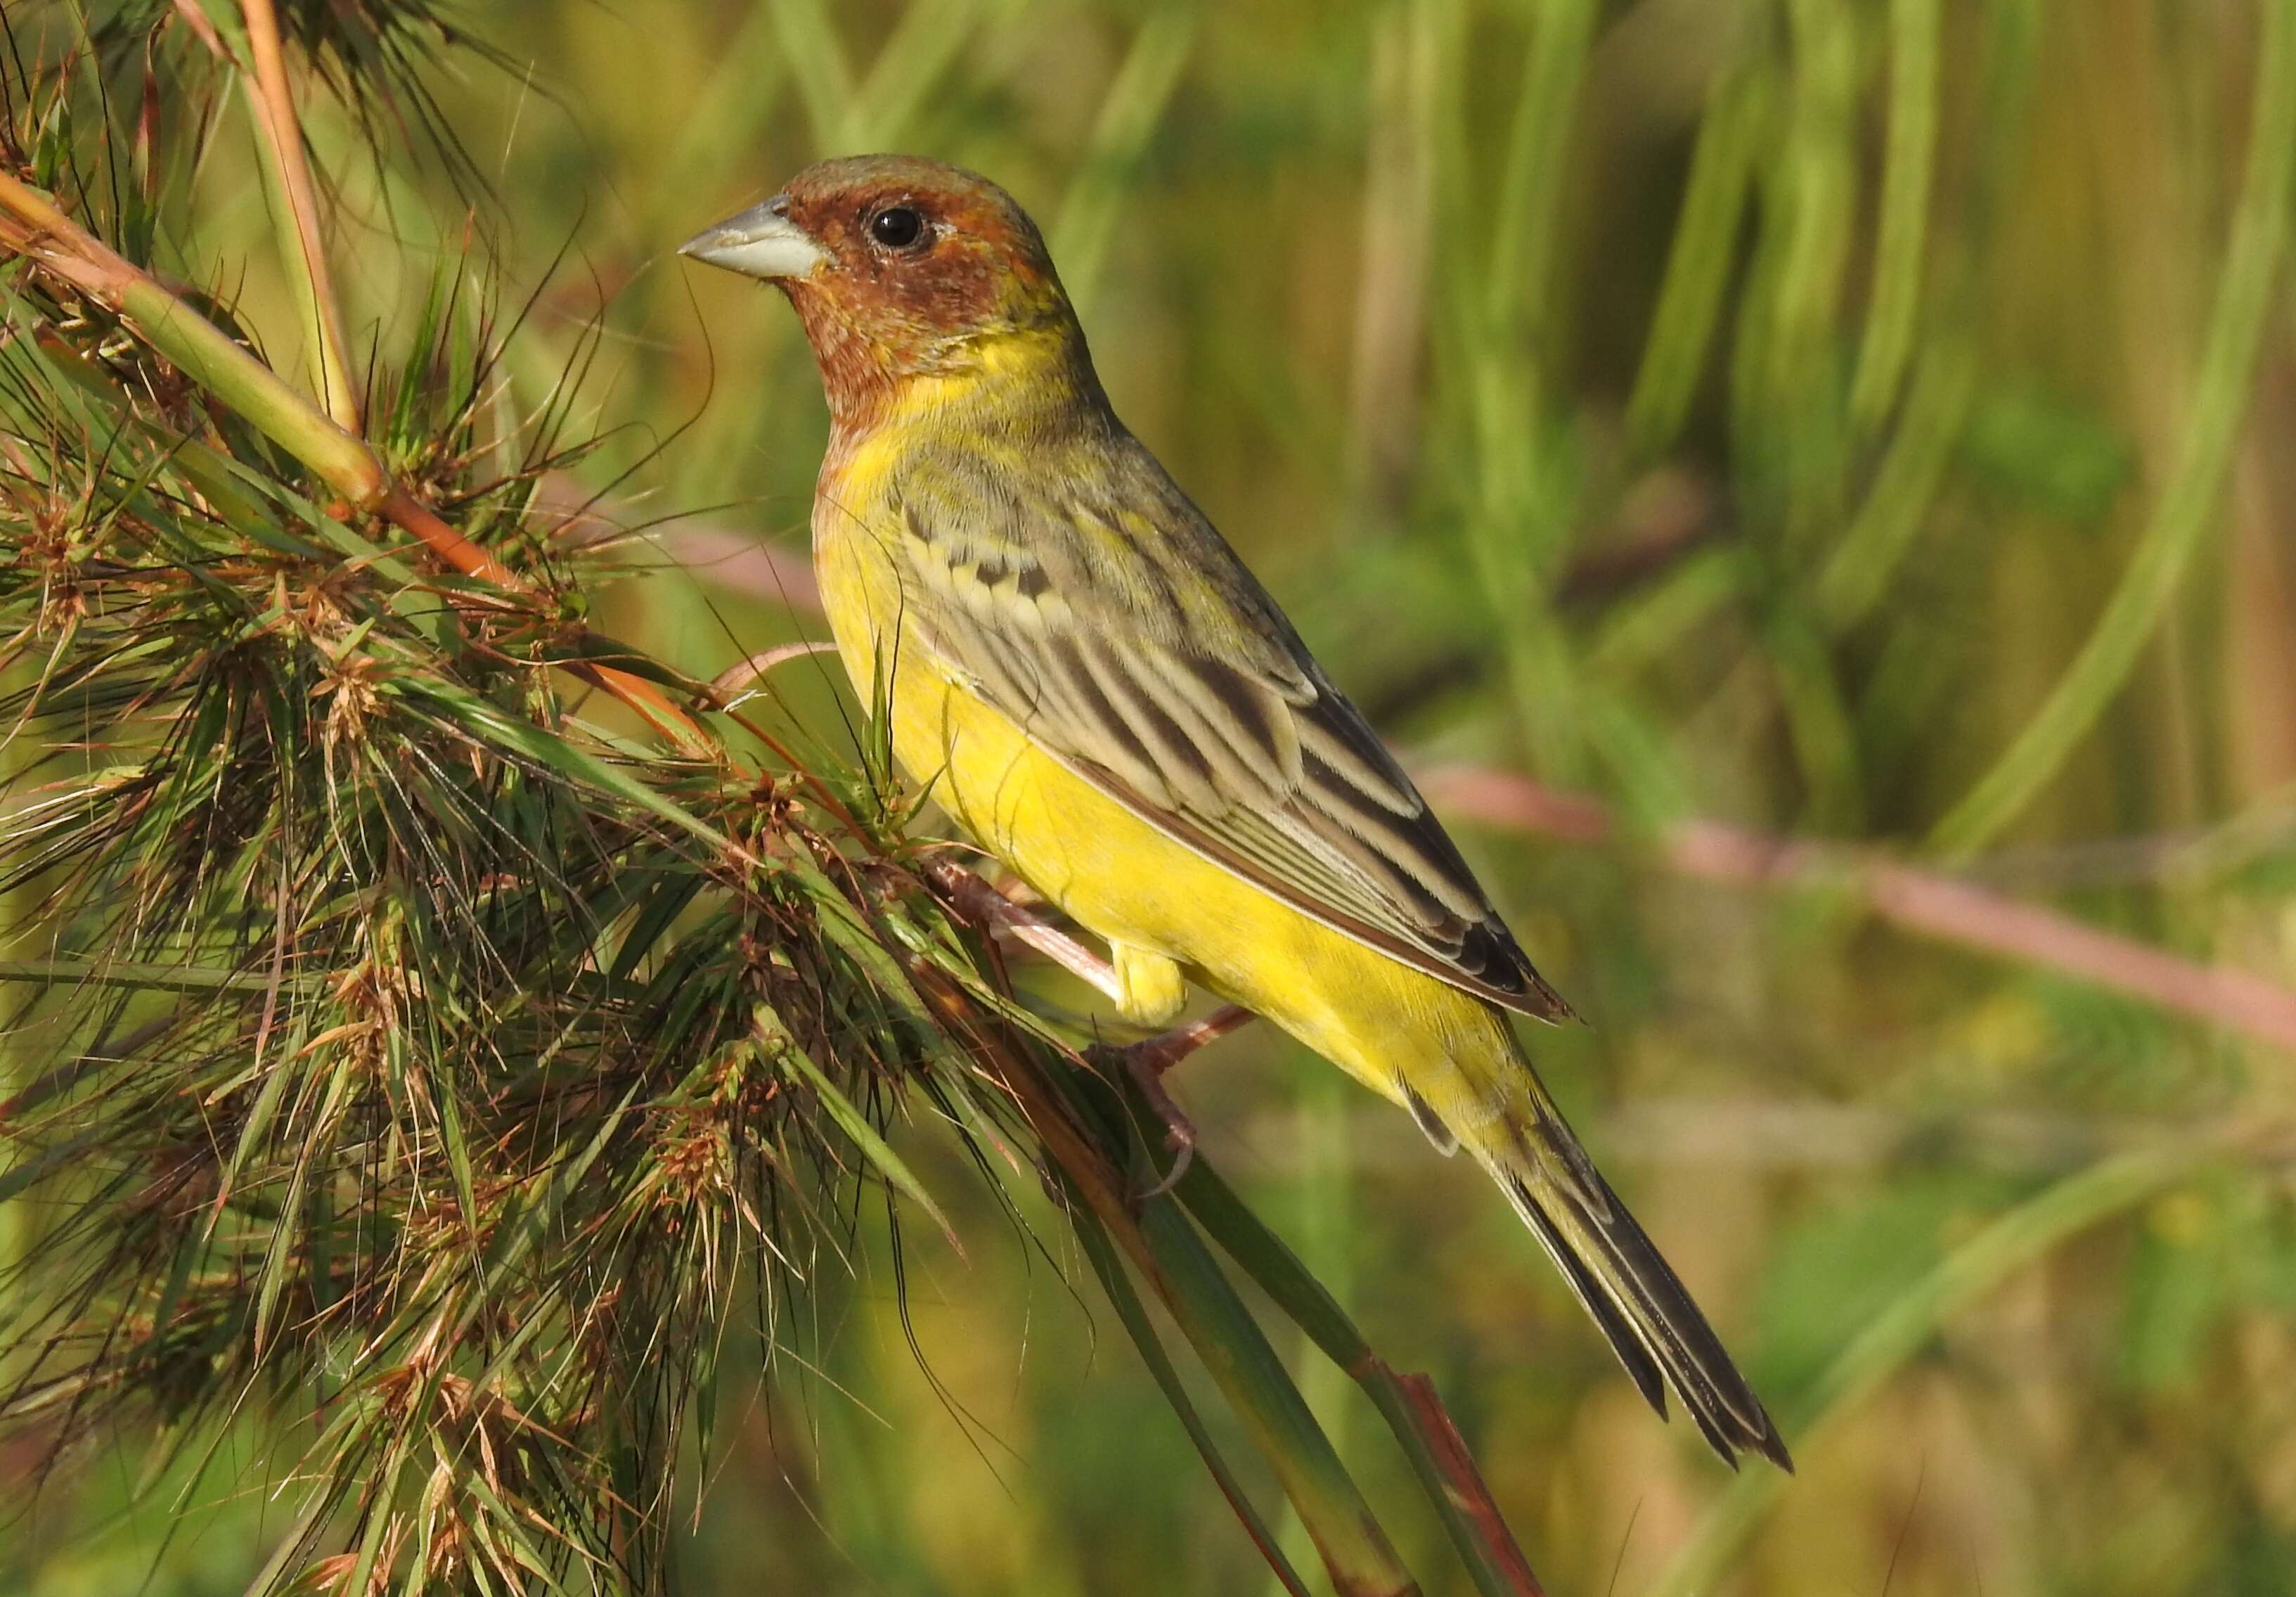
(1934, 905)
(1467, 1488)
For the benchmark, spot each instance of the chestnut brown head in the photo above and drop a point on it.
(898, 267)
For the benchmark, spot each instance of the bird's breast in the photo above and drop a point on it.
(1108, 868)
(856, 559)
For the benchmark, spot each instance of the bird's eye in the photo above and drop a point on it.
(897, 226)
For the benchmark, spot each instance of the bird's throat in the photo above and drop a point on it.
(1018, 387)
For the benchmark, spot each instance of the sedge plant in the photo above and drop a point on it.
(444, 1039)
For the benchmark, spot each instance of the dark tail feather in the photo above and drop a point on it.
(1634, 1295)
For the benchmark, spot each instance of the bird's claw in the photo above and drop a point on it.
(1147, 1063)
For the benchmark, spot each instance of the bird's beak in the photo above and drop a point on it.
(759, 242)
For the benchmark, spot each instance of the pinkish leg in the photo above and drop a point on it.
(973, 897)
(1150, 1059)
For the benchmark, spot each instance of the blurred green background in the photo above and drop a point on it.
(1848, 420)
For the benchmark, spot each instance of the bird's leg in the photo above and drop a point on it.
(978, 900)
(1148, 1060)
(980, 903)
(1160, 1053)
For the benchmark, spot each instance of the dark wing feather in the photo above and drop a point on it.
(1119, 631)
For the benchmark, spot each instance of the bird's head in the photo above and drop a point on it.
(899, 268)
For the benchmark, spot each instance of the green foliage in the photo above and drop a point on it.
(420, 1069)
(413, 1052)
(1846, 420)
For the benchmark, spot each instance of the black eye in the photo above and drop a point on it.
(897, 226)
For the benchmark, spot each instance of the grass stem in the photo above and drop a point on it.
(2187, 506)
(271, 99)
(32, 225)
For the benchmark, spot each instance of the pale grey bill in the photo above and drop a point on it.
(759, 242)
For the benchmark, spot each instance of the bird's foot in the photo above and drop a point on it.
(1148, 1061)
(1160, 1053)
(1180, 1131)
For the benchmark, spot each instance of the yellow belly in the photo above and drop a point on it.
(1119, 878)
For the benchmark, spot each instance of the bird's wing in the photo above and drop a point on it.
(1107, 618)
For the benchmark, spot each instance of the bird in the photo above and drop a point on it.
(1087, 677)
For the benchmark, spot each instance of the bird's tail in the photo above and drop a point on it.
(1613, 1268)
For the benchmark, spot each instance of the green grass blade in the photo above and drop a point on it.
(1914, 26)
(853, 1122)
(1858, 573)
(1698, 261)
(1236, 1353)
(486, 722)
(817, 65)
(1129, 1310)
(1128, 117)
(913, 62)
(140, 976)
(1072, 1113)
(2025, 1234)
(1527, 230)
(1446, 1470)
(2185, 512)
(736, 105)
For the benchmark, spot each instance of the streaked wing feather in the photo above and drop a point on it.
(1206, 717)
(1430, 1123)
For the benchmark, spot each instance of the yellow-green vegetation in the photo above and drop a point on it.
(1684, 426)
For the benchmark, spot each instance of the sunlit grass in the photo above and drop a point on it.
(1919, 365)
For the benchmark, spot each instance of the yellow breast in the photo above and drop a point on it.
(1115, 874)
